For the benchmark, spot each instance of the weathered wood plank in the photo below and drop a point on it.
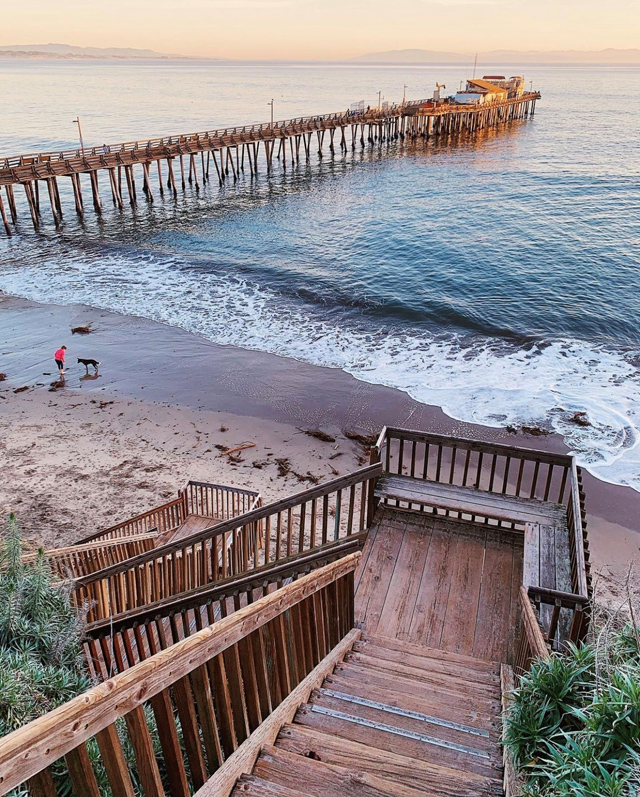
(430, 779)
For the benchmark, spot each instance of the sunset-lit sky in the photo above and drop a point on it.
(323, 29)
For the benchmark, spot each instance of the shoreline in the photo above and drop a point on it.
(191, 385)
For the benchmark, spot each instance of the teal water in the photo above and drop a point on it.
(498, 279)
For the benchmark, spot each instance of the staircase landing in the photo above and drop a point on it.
(446, 584)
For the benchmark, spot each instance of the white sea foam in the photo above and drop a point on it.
(488, 382)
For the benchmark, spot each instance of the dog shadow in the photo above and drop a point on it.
(90, 377)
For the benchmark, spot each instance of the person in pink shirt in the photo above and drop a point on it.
(59, 357)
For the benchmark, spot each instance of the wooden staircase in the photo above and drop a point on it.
(394, 719)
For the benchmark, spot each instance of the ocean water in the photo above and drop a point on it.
(498, 278)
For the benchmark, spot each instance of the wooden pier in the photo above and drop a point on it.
(313, 667)
(133, 171)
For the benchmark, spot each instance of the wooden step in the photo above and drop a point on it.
(450, 681)
(379, 679)
(252, 786)
(427, 658)
(427, 701)
(409, 720)
(393, 644)
(288, 769)
(392, 739)
(430, 779)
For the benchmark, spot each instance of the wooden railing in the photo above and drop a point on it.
(113, 645)
(532, 644)
(565, 609)
(195, 498)
(494, 467)
(504, 470)
(163, 518)
(76, 561)
(328, 512)
(197, 701)
(218, 501)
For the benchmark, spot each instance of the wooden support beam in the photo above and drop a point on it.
(93, 175)
(160, 179)
(3, 214)
(52, 202)
(11, 199)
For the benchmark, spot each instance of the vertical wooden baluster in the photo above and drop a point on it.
(336, 525)
(312, 525)
(519, 479)
(193, 747)
(114, 762)
(352, 501)
(81, 772)
(206, 714)
(170, 744)
(289, 530)
(143, 752)
(534, 481)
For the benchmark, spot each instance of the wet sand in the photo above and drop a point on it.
(98, 450)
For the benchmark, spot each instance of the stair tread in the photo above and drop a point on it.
(377, 678)
(429, 778)
(252, 786)
(391, 643)
(417, 722)
(448, 680)
(467, 670)
(427, 701)
(283, 767)
(384, 739)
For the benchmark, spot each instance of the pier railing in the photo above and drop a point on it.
(331, 511)
(241, 133)
(204, 696)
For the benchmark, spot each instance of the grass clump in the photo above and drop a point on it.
(40, 655)
(574, 725)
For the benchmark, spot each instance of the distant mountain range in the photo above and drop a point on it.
(608, 56)
(72, 51)
(494, 57)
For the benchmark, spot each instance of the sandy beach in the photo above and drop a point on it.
(79, 457)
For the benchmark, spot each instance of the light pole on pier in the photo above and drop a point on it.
(76, 121)
(380, 100)
(404, 93)
(271, 104)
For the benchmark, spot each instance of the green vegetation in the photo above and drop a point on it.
(41, 662)
(40, 655)
(574, 726)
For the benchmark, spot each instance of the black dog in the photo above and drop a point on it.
(87, 363)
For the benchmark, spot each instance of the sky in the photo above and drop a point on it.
(323, 29)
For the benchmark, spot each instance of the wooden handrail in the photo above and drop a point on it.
(90, 546)
(228, 587)
(568, 600)
(357, 477)
(477, 445)
(577, 536)
(136, 519)
(29, 751)
(531, 631)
